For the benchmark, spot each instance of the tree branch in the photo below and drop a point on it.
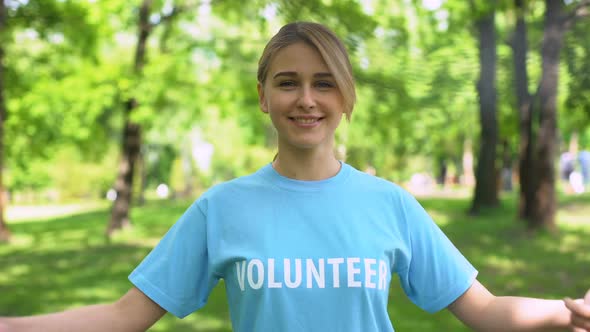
(166, 19)
(581, 10)
(178, 9)
(169, 16)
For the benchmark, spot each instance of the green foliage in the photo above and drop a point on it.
(65, 173)
(57, 20)
(159, 160)
(76, 178)
(70, 70)
(31, 176)
(576, 113)
(55, 95)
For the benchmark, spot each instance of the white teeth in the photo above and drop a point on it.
(305, 121)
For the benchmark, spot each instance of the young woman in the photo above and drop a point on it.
(308, 243)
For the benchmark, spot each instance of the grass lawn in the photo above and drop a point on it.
(63, 262)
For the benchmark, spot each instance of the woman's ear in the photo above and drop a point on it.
(262, 98)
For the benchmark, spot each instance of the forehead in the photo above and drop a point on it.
(299, 57)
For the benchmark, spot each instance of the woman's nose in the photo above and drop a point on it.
(306, 98)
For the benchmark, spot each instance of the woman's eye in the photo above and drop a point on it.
(324, 84)
(287, 84)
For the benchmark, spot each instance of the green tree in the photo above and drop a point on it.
(519, 44)
(486, 193)
(575, 116)
(131, 138)
(53, 29)
(539, 113)
(4, 232)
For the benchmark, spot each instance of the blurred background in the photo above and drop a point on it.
(115, 115)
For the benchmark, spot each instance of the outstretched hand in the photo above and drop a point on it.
(580, 310)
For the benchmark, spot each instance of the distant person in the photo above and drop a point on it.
(576, 182)
(584, 160)
(308, 243)
(567, 163)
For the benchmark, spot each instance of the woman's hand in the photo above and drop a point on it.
(580, 311)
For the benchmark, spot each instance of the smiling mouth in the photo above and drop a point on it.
(305, 120)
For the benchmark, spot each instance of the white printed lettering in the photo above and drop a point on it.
(287, 268)
(271, 275)
(352, 271)
(319, 276)
(260, 270)
(335, 262)
(241, 274)
(382, 275)
(369, 272)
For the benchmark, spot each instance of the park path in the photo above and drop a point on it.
(37, 212)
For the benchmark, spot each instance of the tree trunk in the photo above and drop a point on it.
(486, 191)
(525, 162)
(143, 177)
(124, 184)
(442, 171)
(132, 134)
(544, 203)
(506, 175)
(4, 232)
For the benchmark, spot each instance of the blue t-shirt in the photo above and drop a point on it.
(304, 255)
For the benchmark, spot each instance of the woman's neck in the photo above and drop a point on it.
(307, 165)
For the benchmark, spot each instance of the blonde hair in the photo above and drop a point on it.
(329, 46)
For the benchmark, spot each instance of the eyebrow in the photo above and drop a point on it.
(293, 74)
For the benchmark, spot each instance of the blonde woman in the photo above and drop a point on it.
(308, 243)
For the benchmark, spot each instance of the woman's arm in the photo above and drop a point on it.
(132, 312)
(482, 311)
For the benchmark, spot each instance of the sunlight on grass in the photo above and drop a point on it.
(14, 271)
(504, 264)
(441, 219)
(19, 241)
(575, 211)
(571, 241)
(136, 236)
(194, 322)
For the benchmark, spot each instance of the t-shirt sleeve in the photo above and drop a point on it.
(177, 273)
(437, 273)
